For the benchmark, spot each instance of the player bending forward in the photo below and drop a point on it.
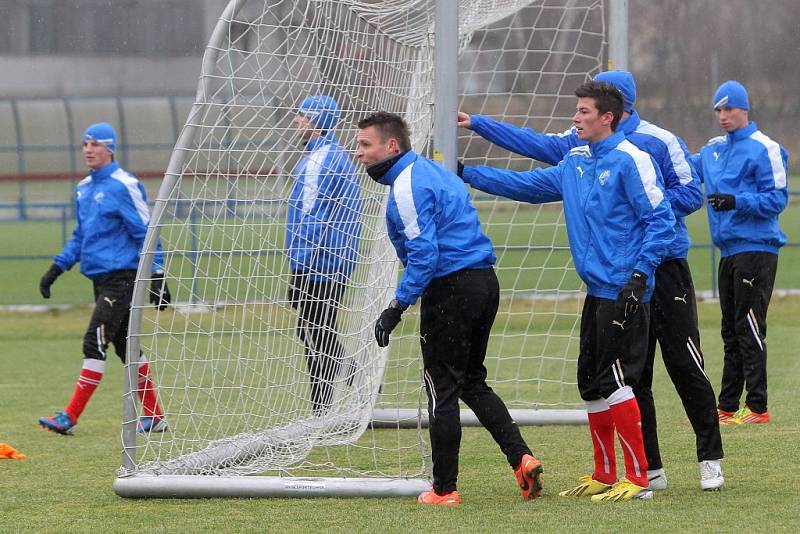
(448, 263)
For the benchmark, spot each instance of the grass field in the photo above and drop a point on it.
(540, 268)
(65, 485)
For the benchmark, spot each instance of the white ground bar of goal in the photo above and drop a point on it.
(411, 418)
(204, 486)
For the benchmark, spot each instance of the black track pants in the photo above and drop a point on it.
(745, 288)
(673, 323)
(109, 322)
(610, 358)
(457, 314)
(317, 303)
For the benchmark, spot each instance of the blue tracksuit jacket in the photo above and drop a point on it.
(618, 218)
(681, 183)
(323, 226)
(748, 164)
(112, 213)
(432, 224)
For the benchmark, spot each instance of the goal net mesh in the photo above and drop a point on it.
(230, 370)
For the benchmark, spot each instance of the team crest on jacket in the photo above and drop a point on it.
(603, 178)
(99, 196)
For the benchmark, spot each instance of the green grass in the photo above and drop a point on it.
(530, 264)
(65, 485)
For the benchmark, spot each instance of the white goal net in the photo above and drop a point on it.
(231, 365)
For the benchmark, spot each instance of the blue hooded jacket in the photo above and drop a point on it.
(752, 167)
(432, 224)
(323, 226)
(618, 218)
(680, 180)
(112, 215)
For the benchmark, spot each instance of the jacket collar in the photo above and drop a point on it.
(391, 175)
(629, 125)
(601, 148)
(742, 133)
(104, 172)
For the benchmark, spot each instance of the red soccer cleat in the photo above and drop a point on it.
(725, 417)
(529, 477)
(431, 497)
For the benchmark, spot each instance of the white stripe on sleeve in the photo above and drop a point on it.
(566, 133)
(404, 199)
(311, 178)
(646, 170)
(775, 160)
(676, 154)
(132, 184)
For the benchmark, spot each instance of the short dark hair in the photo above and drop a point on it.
(389, 125)
(607, 98)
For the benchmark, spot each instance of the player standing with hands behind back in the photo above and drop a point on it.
(448, 262)
(323, 230)
(744, 173)
(112, 217)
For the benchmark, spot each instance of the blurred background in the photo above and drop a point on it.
(135, 63)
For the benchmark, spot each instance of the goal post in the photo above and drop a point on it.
(227, 359)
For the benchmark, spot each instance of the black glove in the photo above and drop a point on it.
(159, 292)
(460, 169)
(293, 292)
(722, 202)
(387, 322)
(47, 280)
(631, 295)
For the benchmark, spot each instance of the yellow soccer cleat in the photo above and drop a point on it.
(746, 416)
(624, 490)
(588, 486)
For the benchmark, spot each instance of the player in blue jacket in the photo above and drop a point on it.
(619, 225)
(112, 217)
(744, 173)
(673, 319)
(323, 229)
(447, 262)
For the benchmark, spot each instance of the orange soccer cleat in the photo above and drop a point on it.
(431, 497)
(529, 477)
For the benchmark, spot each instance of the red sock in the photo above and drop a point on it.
(146, 391)
(88, 380)
(601, 428)
(628, 420)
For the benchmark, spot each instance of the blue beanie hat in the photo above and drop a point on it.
(731, 94)
(321, 110)
(102, 133)
(622, 80)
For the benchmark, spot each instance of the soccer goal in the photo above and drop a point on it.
(229, 366)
